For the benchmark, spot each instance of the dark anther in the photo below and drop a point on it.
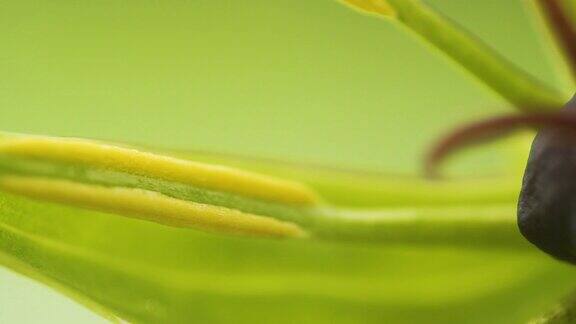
(547, 204)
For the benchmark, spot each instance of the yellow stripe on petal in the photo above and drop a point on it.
(133, 161)
(151, 206)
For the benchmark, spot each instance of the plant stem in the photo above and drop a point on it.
(502, 76)
(457, 226)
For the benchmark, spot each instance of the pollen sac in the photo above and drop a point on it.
(547, 204)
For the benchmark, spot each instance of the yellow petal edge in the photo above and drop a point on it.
(93, 153)
(374, 7)
(151, 206)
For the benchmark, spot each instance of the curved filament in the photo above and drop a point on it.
(492, 128)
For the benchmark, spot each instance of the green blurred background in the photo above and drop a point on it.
(301, 80)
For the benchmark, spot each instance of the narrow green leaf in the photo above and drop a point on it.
(145, 272)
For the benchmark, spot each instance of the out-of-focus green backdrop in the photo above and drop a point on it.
(303, 80)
